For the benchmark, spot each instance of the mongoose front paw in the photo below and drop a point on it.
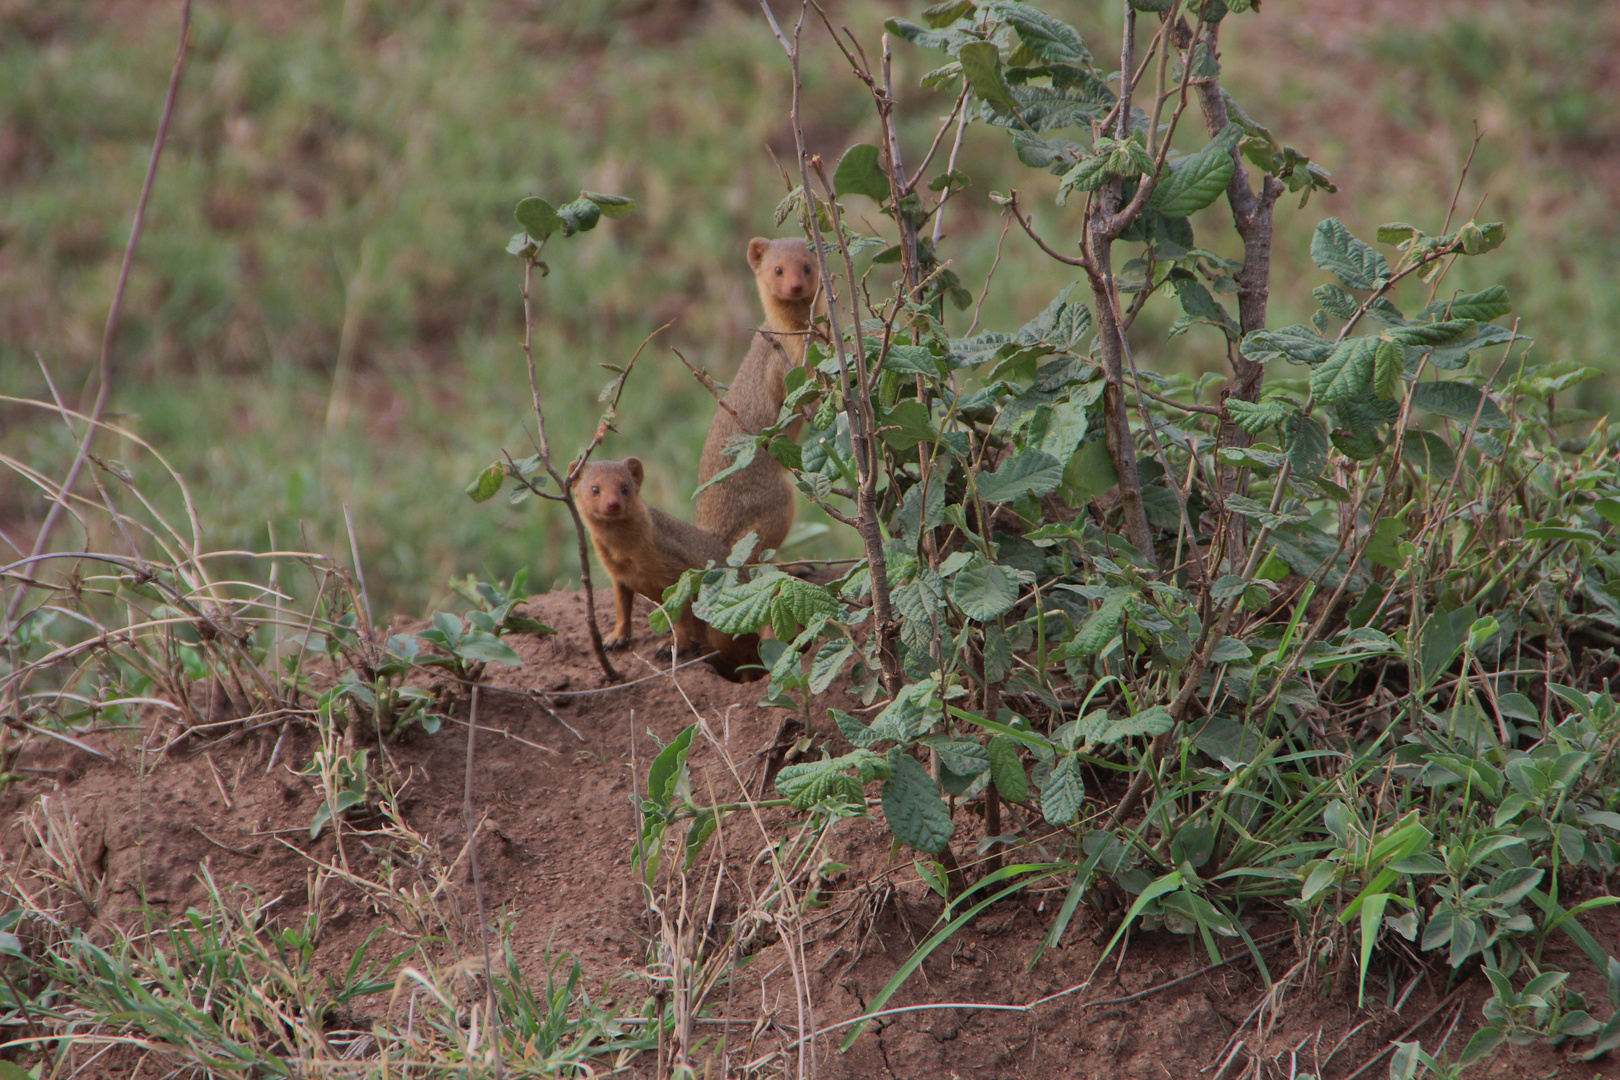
(616, 642)
(671, 651)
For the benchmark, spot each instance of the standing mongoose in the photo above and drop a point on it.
(645, 551)
(760, 498)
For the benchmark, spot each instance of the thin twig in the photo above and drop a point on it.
(492, 1019)
(104, 369)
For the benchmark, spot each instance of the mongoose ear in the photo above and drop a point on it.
(632, 465)
(757, 247)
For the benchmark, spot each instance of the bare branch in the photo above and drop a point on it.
(104, 369)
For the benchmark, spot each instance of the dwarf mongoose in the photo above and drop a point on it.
(759, 499)
(645, 551)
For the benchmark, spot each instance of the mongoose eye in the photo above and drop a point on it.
(595, 490)
(624, 489)
(778, 271)
(807, 268)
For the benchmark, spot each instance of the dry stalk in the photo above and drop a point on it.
(104, 368)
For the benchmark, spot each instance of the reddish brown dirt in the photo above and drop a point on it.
(555, 856)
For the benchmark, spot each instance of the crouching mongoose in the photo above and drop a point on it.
(645, 551)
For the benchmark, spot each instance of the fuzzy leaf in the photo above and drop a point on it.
(984, 591)
(859, 173)
(613, 206)
(487, 484)
(1197, 179)
(829, 662)
(1483, 306)
(981, 64)
(1389, 364)
(1345, 375)
(1031, 472)
(1449, 332)
(1350, 260)
(911, 804)
(482, 645)
(537, 217)
(1063, 795)
(579, 216)
(1298, 344)
(1099, 627)
(1307, 445)
(1007, 770)
(806, 601)
(1255, 417)
(805, 785)
(1050, 41)
(1458, 401)
(739, 609)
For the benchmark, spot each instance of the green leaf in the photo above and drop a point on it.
(859, 173)
(1561, 532)
(1154, 720)
(481, 645)
(1345, 375)
(1459, 401)
(1336, 301)
(1307, 445)
(1389, 364)
(663, 778)
(1090, 473)
(613, 206)
(984, 591)
(1289, 513)
(806, 784)
(1396, 232)
(1229, 649)
(1298, 344)
(1430, 453)
(911, 360)
(1349, 259)
(537, 217)
(1483, 306)
(1063, 795)
(1197, 179)
(1031, 472)
(1256, 416)
(487, 484)
(1089, 175)
(1099, 627)
(579, 216)
(919, 512)
(829, 661)
(741, 608)
(981, 64)
(1426, 335)
(1050, 41)
(1007, 770)
(943, 14)
(908, 424)
(943, 39)
(911, 804)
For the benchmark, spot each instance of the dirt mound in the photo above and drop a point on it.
(557, 775)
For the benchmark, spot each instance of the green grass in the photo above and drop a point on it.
(358, 163)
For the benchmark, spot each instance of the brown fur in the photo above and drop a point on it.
(645, 551)
(760, 498)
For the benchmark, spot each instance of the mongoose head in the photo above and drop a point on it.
(606, 491)
(785, 270)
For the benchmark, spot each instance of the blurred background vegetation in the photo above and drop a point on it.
(322, 314)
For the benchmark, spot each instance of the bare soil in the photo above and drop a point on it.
(555, 852)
